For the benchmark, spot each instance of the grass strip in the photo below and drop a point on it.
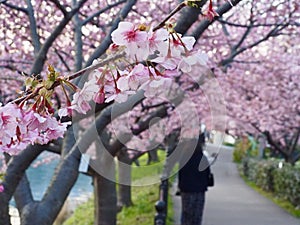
(284, 204)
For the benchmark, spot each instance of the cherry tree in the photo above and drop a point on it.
(267, 103)
(257, 65)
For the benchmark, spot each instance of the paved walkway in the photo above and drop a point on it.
(232, 202)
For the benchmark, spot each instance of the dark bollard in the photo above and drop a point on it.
(161, 205)
(164, 188)
(160, 216)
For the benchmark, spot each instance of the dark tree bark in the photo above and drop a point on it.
(105, 201)
(152, 156)
(104, 185)
(4, 215)
(188, 17)
(124, 184)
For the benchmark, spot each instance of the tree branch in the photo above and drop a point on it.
(253, 25)
(294, 142)
(243, 38)
(23, 194)
(272, 33)
(78, 42)
(62, 60)
(40, 58)
(21, 9)
(143, 125)
(204, 24)
(33, 28)
(15, 170)
(177, 9)
(188, 17)
(60, 7)
(96, 14)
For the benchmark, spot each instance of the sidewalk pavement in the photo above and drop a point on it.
(232, 202)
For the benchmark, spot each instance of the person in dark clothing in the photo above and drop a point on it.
(193, 182)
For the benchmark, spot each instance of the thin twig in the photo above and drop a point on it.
(174, 11)
(73, 76)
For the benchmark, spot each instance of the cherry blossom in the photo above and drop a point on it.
(157, 40)
(20, 127)
(135, 39)
(186, 63)
(170, 51)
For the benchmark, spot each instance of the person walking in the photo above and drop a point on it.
(193, 180)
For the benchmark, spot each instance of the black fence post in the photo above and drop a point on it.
(161, 205)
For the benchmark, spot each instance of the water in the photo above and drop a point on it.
(41, 176)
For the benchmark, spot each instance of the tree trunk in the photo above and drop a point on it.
(105, 187)
(124, 196)
(4, 215)
(152, 156)
(124, 174)
(105, 201)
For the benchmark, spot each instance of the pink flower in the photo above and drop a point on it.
(170, 56)
(55, 129)
(210, 13)
(1, 188)
(8, 122)
(156, 86)
(119, 91)
(24, 126)
(127, 33)
(79, 103)
(138, 76)
(178, 45)
(99, 97)
(182, 43)
(133, 39)
(186, 63)
(81, 99)
(67, 111)
(168, 62)
(36, 121)
(158, 40)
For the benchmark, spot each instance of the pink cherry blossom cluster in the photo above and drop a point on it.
(153, 58)
(20, 127)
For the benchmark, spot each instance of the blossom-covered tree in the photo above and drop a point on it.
(258, 67)
(268, 102)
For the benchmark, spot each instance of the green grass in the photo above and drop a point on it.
(153, 170)
(143, 211)
(83, 215)
(286, 205)
(144, 198)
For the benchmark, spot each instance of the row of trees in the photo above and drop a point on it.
(253, 50)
